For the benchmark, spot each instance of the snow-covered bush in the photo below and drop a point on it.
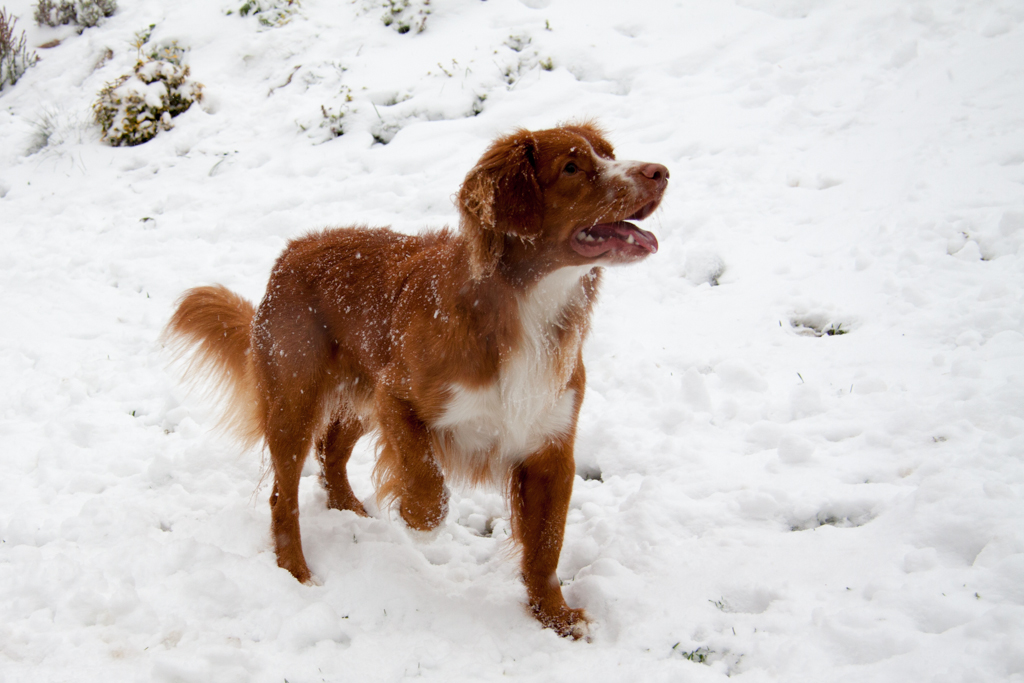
(49, 13)
(82, 12)
(167, 52)
(333, 120)
(270, 12)
(135, 107)
(15, 58)
(406, 15)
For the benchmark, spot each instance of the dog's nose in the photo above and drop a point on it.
(655, 172)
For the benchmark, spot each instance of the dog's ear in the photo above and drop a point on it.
(501, 197)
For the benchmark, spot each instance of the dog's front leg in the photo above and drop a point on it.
(406, 468)
(540, 489)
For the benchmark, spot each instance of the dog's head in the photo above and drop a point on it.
(559, 195)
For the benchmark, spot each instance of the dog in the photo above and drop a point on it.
(461, 350)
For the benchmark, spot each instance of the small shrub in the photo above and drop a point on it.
(15, 59)
(700, 655)
(142, 37)
(405, 15)
(90, 12)
(384, 132)
(816, 325)
(333, 120)
(137, 106)
(270, 12)
(49, 13)
(85, 13)
(170, 52)
(518, 43)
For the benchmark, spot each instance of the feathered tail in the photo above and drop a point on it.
(211, 329)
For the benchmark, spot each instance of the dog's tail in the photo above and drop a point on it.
(210, 330)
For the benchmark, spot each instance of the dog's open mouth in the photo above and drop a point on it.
(621, 237)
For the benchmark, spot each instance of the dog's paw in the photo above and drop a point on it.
(343, 502)
(565, 621)
(424, 515)
(578, 628)
(297, 568)
(424, 536)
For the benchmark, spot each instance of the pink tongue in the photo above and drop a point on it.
(623, 230)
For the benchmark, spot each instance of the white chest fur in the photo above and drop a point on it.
(529, 404)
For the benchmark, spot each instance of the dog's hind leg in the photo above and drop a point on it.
(288, 360)
(289, 436)
(333, 450)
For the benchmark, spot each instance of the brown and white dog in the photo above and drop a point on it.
(462, 350)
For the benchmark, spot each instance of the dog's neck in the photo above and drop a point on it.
(512, 261)
(544, 300)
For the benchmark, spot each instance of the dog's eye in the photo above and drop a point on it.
(570, 168)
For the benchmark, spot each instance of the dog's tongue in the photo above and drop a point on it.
(620, 236)
(624, 231)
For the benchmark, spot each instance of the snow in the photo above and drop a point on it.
(782, 503)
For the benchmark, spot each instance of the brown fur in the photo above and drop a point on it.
(212, 323)
(425, 339)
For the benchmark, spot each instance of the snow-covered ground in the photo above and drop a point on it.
(758, 498)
